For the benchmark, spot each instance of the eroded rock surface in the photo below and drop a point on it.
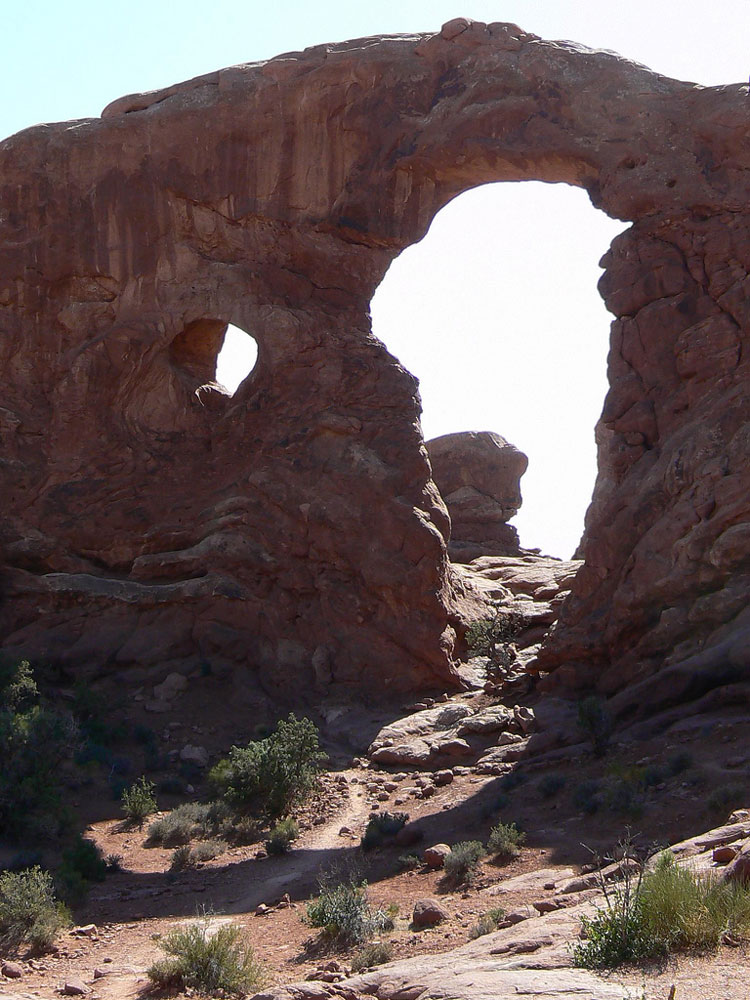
(293, 529)
(478, 474)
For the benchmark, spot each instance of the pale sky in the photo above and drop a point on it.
(496, 310)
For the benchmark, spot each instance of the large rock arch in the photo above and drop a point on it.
(294, 528)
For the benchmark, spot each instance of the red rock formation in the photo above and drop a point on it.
(478, 474)
(293, 528)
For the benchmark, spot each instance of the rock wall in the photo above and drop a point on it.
(293, 529)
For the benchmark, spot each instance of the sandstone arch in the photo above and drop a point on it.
(273, 196)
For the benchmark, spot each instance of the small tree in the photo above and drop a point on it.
(272, 774)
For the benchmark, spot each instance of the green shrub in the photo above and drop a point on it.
(29, 911)
(282, 836)
(375, 953)
(596, 723)
(207, 959)
(505, 841)
(138, 801)
(86, 858)
(35, 741)
(343, 911)
(550, 785)
(381, 826)
(487, 923)
(667, 909)
(683, 910)
(273, 774)
(462, 862)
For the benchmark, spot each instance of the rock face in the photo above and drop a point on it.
(293, 529)
(478, 474)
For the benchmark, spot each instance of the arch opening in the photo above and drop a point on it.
(497, 314)
(237, 358)
(213, 352)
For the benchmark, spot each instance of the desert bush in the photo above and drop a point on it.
(505, 841)
(550, 785)
(683, 910)
(487, 923)
(207, 959)
(35, 740)
(375, 953)
(343, 911)
(491, 637)
(282, 836)
(181, 825)
(596, 723)
(29, 910)
(138, 801)
(207, 850)
(667, 909)
(182, 858)
(381, 826)
(273, 774)
(462, 862)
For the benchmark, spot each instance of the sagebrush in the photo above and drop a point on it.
(208, 959)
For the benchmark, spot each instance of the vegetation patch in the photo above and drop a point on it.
(461, 864)
(29, 910)
(375, 953)
(282, 836)
(596, 723)
(272, 775)
(207, 959)
(382, 827)
(505, 842)
(487, 923)
(668, 909)
(344, 913)
(36, 740)
(139, 801)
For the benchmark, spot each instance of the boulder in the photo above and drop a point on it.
(738, 869)
(434, 857)
(428, 913)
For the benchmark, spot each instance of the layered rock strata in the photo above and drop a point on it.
(293, 529)
(479, 474)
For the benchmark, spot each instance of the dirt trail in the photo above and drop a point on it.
(297, 872)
